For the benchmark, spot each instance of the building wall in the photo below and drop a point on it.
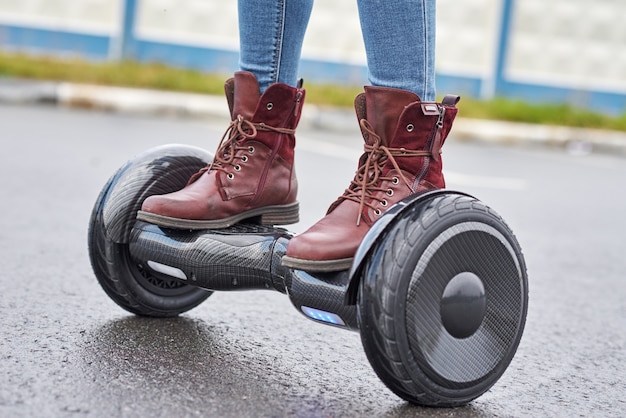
(568, 43)
(559, 51)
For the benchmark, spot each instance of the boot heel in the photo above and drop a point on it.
(282, 215)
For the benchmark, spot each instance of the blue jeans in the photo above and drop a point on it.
(399, 38)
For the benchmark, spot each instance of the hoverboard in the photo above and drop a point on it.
(438, 289)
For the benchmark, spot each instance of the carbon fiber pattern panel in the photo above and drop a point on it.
(324, 291)
(236, 258)
(157, 171)
(466, 247)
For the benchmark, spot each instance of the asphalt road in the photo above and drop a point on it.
(67, 350)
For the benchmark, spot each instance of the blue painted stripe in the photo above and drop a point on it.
(463, 86)
(37, 40)
(187, 56)
(227, 61)
(599, 101)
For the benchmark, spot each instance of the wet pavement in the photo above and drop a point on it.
(68, 350)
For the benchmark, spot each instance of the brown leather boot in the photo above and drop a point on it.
(403, 140)
(252, 174)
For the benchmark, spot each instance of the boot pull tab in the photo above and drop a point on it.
(450, 100)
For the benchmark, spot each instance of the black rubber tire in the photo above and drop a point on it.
(397, 345)
(124, 281)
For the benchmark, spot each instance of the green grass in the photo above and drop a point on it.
(158, 76)
(547, 114)
(125, 73)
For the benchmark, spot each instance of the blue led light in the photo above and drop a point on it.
(323, 316)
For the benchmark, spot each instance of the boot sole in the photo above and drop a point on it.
(268, 215)
(317, 266)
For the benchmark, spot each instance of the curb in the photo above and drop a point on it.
(144, 101)
(577, 141)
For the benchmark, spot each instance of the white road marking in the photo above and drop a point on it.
(488, 182)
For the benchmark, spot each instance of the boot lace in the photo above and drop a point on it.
(368, 177)
(227, 155)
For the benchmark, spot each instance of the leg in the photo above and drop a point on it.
(271, 35)
(403, 135)
(399, 39)
(252, 176)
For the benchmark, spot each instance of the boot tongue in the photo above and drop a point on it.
(383, 109)
(246, 95)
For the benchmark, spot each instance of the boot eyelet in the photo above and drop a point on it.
(230, 176)
(383, 203)
(389, 192)
(395, 180)
(251, 149)
(410, 127)
(378, 212)
(244, 159)
(270, 106)
(237, 168)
